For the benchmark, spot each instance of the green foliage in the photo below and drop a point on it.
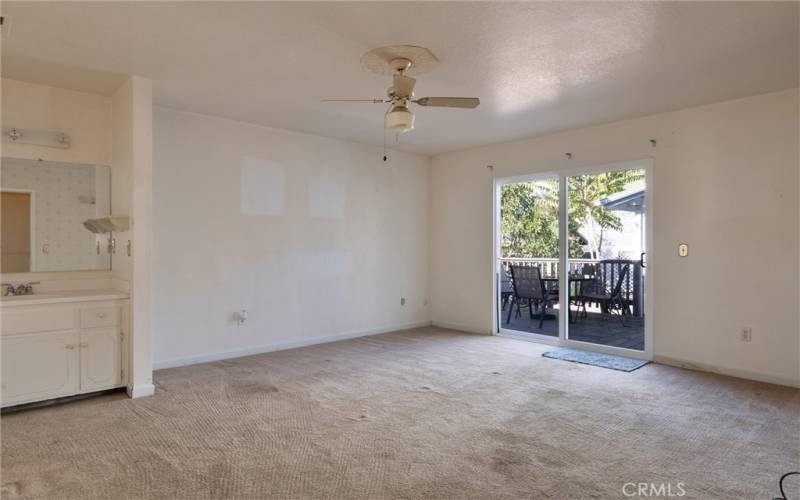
(530, 219)
(529, 214)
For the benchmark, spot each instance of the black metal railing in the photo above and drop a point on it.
(605, 274)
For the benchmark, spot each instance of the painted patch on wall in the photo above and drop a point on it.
(262, 187)
(326, 195)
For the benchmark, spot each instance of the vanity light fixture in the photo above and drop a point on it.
(36, 137)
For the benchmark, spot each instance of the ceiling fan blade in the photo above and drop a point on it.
(449, 102)
(374, 101)
(403, 86)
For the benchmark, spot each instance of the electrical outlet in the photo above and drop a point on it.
(746, 334)
(402, 301)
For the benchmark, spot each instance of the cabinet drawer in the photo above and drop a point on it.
(38, 320)
(93, 317)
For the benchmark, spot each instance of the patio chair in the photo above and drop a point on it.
(506, 289)
(528, 286)
(608, 301)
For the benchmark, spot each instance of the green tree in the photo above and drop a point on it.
(586, 211)
(529, 214)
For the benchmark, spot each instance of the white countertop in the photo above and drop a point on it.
(62, 296)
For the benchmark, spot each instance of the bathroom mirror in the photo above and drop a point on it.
(44, 206)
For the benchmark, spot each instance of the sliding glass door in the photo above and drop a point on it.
(592, 224)
(530, 253)
(607, 247)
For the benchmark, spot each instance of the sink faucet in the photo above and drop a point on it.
(22, 288)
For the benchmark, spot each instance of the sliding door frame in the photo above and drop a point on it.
(563, 315)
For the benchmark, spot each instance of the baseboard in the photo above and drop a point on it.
(744, 374)
(282, 346)
(460, 327)
(141, 390)
(729, 372)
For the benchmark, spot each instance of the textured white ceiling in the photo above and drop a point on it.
(537, 67)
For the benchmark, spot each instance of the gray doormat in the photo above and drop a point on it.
(596, 359)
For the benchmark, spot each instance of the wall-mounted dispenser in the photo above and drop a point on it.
(108, 224)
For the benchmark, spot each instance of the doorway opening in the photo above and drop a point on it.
(16, 238)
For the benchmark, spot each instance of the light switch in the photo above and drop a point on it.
(683, 250)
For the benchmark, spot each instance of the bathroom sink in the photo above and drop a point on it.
(31, 296)
(62, 296)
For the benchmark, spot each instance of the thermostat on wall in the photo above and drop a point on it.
(683, 250)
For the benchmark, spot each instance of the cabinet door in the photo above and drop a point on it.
(100, 359)
(39, 366)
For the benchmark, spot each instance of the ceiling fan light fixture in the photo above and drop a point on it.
(399, 119)
(401, 62)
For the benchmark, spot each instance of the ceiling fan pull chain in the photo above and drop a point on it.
(385, 153)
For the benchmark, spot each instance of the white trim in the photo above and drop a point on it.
(141, 390)
(31, 223)
(563, 260)
(649, 242)
(728, 372)
(662, 360)
(282, 346)
(536, 176)
(529, 337)
(461, 327)
(585, 170)
(605, 349)
(497, 319)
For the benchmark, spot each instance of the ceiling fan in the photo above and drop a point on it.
(400, 62)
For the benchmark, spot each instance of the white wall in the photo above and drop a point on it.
(725, 181)
(316, 238)
(86, 118)
(131, 188)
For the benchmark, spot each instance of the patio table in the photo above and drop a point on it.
(552, 283)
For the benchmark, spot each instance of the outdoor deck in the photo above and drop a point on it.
(596, 329)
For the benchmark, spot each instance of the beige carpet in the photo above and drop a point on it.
(421, 414)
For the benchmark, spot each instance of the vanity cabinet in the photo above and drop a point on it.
(51, 351)
(101, 359)
(39, 366)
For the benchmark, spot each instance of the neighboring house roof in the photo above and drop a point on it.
(631, 199)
